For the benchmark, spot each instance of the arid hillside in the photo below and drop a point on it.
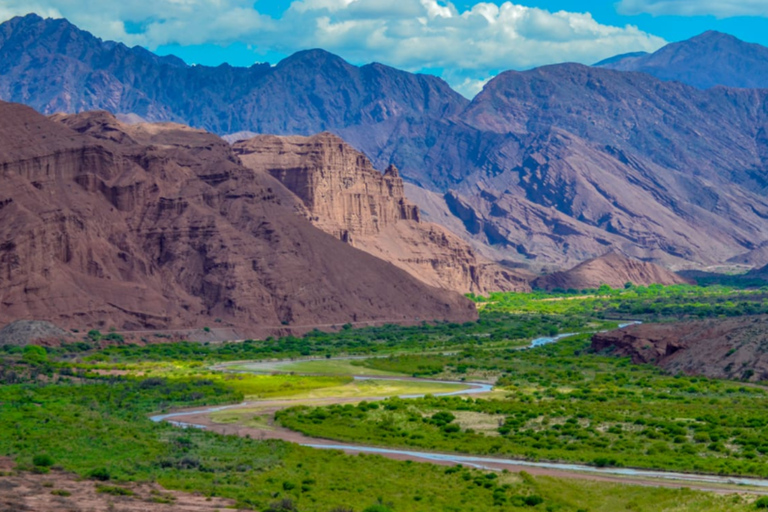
(345, 196)
(161, 226)
(730, 348)
(614, 269)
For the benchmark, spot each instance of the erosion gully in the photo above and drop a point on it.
(200, 418)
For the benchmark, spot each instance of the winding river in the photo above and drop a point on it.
(628, 475)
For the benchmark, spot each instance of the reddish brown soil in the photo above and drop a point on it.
(614, 269)
(29, 492)
(731, 348)
(138, 227)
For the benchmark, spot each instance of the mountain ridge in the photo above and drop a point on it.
(707, 60)
(545, 168)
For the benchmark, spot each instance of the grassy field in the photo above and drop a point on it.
(378, 388)
(315, 367)
(649, 303)
(86, 410)
(100, 431)
(563, 403)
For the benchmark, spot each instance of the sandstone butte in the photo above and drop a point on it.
(341, 193)
(153, 226)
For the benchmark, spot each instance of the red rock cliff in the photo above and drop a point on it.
(345, 196)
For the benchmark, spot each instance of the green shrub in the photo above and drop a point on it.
(42, 460)
(533, 500)
(100, 474)
(35, 354)
(762, 502)
(114, 490)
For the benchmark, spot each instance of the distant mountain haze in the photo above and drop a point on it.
(705, 61)
(547, 167)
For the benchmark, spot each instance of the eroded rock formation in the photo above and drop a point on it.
(731, 348)
(161, 226)
(345, 196)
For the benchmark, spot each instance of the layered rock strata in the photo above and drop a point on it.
(345, 196)
(161, 227)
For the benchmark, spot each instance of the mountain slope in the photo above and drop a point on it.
(572, 160)
(705, 61)
(53, 66)
(346, 197)
(613, 269)
(160, 226)
(547, 167)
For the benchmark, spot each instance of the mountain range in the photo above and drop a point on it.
(705, 61)
(544, 168)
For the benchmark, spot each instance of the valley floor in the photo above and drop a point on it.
(412, 433)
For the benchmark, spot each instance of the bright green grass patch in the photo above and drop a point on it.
(564, 403)
(602, 497)
(252, 386)
(320, 366)
(276, 386)
(253, 418)
(381, 388)
(651, 302)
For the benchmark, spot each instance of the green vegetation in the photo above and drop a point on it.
(653, 302)
(100, 430)
(314, 367)
(560, 402)
(87, 410)
(492, 330)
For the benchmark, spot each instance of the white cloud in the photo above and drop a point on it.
(718, 8)
(162, 21)
(483, 38)
(467, 45)
(469, 87)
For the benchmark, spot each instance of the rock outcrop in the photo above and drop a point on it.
(612, 269)
(24, 332)
(732, 348)
(345, 196)
(161, 226)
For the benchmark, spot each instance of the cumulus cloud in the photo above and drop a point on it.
(152, 23)
(718, 8)
(467, 45)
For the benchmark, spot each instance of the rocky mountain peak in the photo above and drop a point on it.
(392, 172)
(343, 193)
(707, 60)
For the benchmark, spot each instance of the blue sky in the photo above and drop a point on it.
(466, 42)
